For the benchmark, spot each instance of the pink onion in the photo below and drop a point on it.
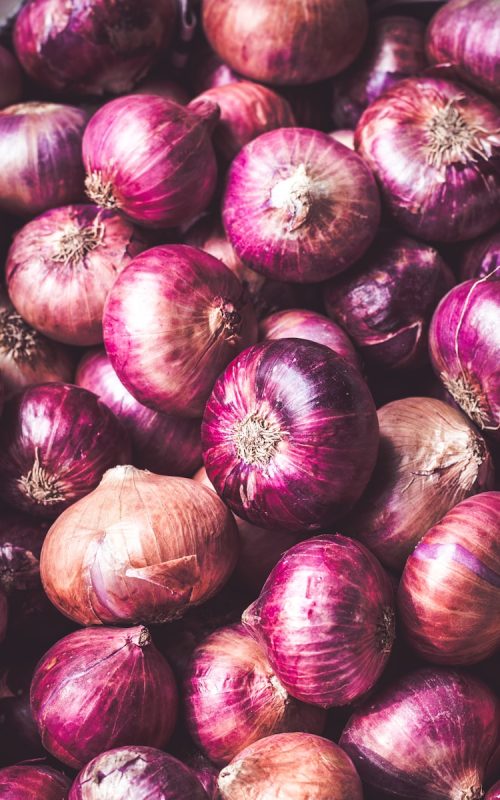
(11, 83)
(299, 206)
(34, 782)
(482, 258)
(494, 793)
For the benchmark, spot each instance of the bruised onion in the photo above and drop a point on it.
(197, 316)
(394, 740)
(11, 84)
(299, 206)
(33, 782)
(482, 258)
(430, 458)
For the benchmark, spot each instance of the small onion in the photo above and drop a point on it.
(428, 736)
(494, 793)
(19, 737)
(295, 766)
(140, 547)
(40, 157)
(11, 83)
(434, 146)
(34, 782)
(197, 315)
(56, 441)
(21, 539)
(151, 158)
(482, 258)
(430, 458)
(299, 206)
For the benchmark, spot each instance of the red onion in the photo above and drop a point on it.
(295, 766)
(290, 435)
(56, 441)
(286, 43)
(33, 783)
(482, 258)
(299, 206)
(140, 547)
(151, 158)
(430, 459)
(344, 136)
(449, 595)
(434, 146)
(198, 318)
(40, 157)
(428, 736)
(464, 344)
(11, 83)
(386, 303)
(494, 793)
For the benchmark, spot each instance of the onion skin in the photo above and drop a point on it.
(149, 546)
(33, 783)
(438, 184)
(494, 793)
(299, 206)
(298, 766)
(482, 258)
(430, 458)
(449, 594)
(290, 435)
(11, 82)
(393, 740)
(40, 157)
(198, 316)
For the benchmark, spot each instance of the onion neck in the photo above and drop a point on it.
(100, 191)
(17, 338)
(451, 139)
(293, 196)
(385, 630)
(225, 319)
(469, 397)
(76, 242)
(140, 637)
(257, 439)
(40, 486)
(474, 792)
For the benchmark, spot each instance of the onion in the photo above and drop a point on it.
(344, 136)
(11, 83)
(140, 547)
(198, 318)
(449, 595)
(33, 783)
(386, 303)
(136, 773)
(299, 206)
(56, 441)
(430, 459)
(428, 736)
(151, 158)
(494, 793)
(295, 766)
(464, 343)
(62, 265)
(434, 146)
(288, 43)
(482, 258)
(40, 157)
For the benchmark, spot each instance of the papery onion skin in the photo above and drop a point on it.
(386, 302)
(494, 793)
(56, 441)
(430, 458)
(298, 766)
(61, 266)
(151, 158)
(434, 147)
(393, 740)
(40, 157)
(290, 435)
(449, 594)
(11, 84)
(299, 206)
(482, 258)
(156, 544)
(33, 782)
(198, 316)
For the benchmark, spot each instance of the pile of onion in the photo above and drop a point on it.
(33, 782)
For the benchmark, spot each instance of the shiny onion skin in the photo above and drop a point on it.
(299, 206)
(33, 782)
(386, 302)
(290, 435)
(40, 157)
(151, 158)
(140, 547)
(161, 443)
(464, 345)
(198, 317)
(136, 773)
(434, 146)
(449, 594)
(286, 43)
(62, 265)
(295, 766)
(482, 258)
(56, 442)
(430, 458)
(395, 739)
(92, 46)
(494, 793)
(11, 83)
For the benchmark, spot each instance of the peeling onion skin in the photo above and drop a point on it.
(430, 458)
(291, 766)
(393, 740)
(494, 793)
(482, 258)
(25, 782)
(449, 594)
(434, 146)
(290, 435)
(11, 82)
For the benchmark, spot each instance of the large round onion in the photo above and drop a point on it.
(140, 547)
(482, 258)
(11, 84)
(290, 435)
(198, 318)
(33, 782)
(393, 740)
(299, 206)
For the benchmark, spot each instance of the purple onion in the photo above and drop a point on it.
(35, 782)
(482, 258)
(11, 83)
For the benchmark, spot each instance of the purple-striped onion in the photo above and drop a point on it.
(482, 258)
(33, 782)
(11, 83)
